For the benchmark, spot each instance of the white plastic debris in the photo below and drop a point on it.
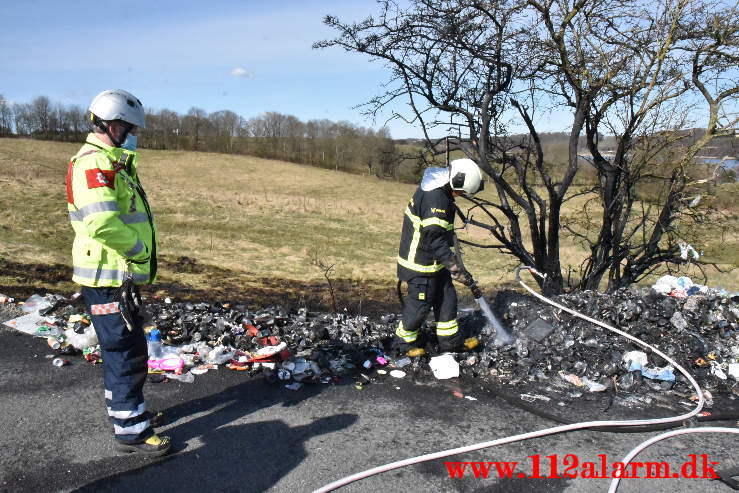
(638, 357)
(717, 371)
(444, 366)
(403, 362)
(185, 377)
(271, 350)
(665, 284)
(81, 341)
(686, 249)
(397, 373)
(534, 397)
(572, 378)
(593, 386)
(35, 303)
(219, 355)
(470, 398)
(30, 324)
(734, 370)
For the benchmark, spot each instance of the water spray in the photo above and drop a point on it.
(502, 336)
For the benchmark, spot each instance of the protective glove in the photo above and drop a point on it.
(129, 301)
(464, 277)
(459, 274)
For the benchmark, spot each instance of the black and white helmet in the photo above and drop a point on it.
(118, 104)
(465, 175)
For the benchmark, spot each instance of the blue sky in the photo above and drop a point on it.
(245, 56)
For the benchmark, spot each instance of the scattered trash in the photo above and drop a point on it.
(167, 363)
(54, 342)
(36, 303)
(717, 371)
(538, 330)
(403, 362)
(470, 398)
(700, 331)
(572, 378)
(734, 370)
(92, 354)
(685, 248)
(32, 324)
(293, 386)
(635, 357)
(664, 373)
(154, 344)
(534, 397)
(81, 340)
(706, 395)
(444, 366)
(593, 386)
(6, 299)
(184, 378)
(60, 362)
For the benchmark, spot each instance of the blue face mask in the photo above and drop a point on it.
(130, 143)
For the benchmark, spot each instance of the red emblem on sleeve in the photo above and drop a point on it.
(97, 177)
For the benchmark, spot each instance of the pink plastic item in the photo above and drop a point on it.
(167, 364)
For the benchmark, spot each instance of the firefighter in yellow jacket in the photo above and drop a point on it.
(114, 251)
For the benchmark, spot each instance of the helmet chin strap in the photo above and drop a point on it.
(112, 138)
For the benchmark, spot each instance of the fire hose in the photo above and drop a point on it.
(562, 428)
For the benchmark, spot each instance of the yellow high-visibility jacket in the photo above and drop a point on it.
(113, 225)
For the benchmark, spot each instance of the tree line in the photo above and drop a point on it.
(272, 135)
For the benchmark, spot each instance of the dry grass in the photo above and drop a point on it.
(245, 221)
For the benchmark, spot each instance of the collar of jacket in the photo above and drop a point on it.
(114, 153)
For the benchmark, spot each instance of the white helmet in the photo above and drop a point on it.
(465, 175)
(118, 105)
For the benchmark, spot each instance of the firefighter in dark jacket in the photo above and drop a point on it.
(426, 260)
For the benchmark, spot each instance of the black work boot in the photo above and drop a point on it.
(412, 349)
(456, 343)
(154, 446)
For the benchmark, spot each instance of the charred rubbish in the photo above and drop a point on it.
(552, 350)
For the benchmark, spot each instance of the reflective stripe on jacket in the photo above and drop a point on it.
(110, 217)
(427, 235)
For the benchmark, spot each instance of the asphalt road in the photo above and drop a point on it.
(235, 433)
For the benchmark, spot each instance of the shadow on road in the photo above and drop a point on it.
(224, 453)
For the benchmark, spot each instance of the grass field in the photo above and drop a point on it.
(235, 228)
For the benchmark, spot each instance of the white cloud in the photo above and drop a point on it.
(239, 72)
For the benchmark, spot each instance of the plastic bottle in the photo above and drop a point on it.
(155, 344)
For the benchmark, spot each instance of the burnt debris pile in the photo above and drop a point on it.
(553, 351)
(700, 332)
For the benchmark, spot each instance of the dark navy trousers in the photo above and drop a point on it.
(424, 294)
(124, 354)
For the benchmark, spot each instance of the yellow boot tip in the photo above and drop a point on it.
(471, 342)
(418, 351)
